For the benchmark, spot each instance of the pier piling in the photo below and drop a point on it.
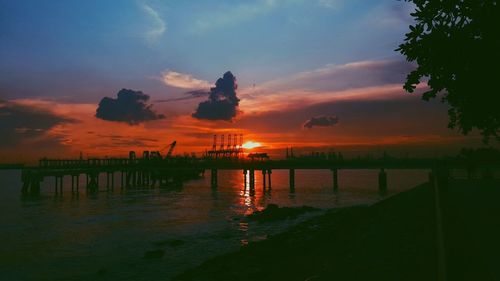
(292, 180)
(335, 179)
(252, 179)
(382, 181)
(269, 172)
(252, 182)
(264, 173)
(214, 178)
(58, 184)
(245, 179)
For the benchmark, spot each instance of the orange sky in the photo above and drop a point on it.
(371, 119)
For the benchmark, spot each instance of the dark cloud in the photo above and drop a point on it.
(321, 121)
(20, 122)
(222, 103)
(188, 96)
(129, 107)
(402, 114)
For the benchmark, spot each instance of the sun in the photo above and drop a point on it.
(251, 144)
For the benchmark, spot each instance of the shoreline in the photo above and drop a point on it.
(392, 239)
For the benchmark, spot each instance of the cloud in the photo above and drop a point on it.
(396, 16)
(321, 121)
(358, 74)
(222, 102)
(184, 81)
(234, 13)
(331, 4)
(19, 123)
(244, 11)
(400, 119)
(160, 25)
(129, 107)
(116, 140)
(370, 79)
(195, 94)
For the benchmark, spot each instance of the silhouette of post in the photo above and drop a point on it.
(214, 178)
(292, 179)
(58, 184)
(264, 172)
(55, 184)
(128, 176)
(335, 174)
(31, 184)
(252, 179)
(26, 178)
(244, 179)
(93, 181)
(75, 178)
(382, 181)
(269, 172)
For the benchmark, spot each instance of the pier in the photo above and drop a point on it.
(150, 172)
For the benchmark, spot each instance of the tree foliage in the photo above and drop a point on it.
(456, 45)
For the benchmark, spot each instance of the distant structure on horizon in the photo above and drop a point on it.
(330, 155)
(232, 150)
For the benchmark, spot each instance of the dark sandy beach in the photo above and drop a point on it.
(394, 239)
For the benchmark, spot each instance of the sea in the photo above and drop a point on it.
(110, 234)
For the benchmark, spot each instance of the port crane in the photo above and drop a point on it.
(171, 149)
(157, 154)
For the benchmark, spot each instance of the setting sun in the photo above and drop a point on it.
(251, 144)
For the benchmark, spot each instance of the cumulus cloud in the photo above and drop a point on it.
(184, 81)
(20, 122)
(321, 121)
(129, 107)
(222, 103)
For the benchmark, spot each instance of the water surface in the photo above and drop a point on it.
(104, 236)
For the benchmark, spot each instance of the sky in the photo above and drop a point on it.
(102, 77)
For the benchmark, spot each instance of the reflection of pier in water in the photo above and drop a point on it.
(174, 171)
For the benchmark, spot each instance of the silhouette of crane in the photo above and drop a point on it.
(157, 154)
(171, 149)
